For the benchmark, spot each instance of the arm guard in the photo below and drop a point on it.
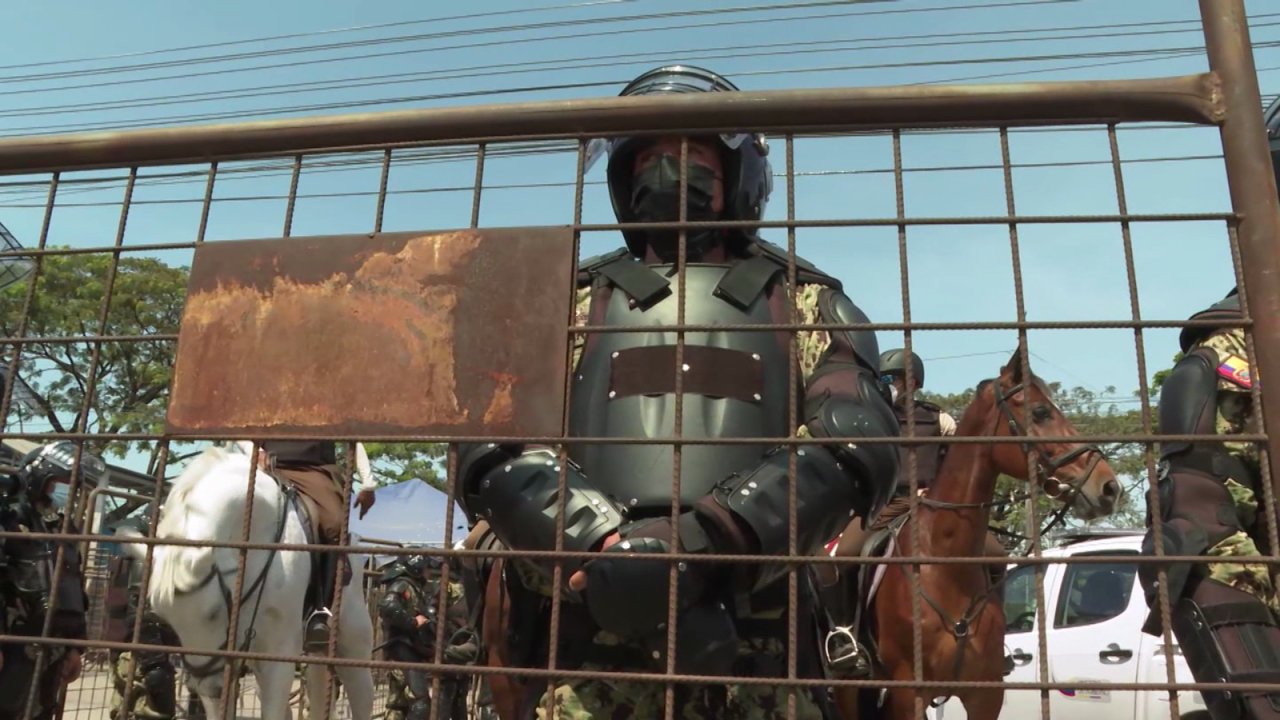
(1189, 399)
(517, 493)
(843, 399)
(394, 609)
(826, 500)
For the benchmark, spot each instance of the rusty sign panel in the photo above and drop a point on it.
(396, 334)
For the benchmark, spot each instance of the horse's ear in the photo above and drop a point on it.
(1011, 373)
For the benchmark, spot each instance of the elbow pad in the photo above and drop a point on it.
(519, 498)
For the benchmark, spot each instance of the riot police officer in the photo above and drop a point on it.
(731, 618)
(1223, 614)
(35, 500)
(152, 684)
(409, 617)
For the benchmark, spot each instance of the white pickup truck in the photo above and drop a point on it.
(1095, 614)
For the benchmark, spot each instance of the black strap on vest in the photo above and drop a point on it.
(640, 282)
(746, 280)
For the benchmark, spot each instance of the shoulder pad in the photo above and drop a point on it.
(806, 272)
(588, 268)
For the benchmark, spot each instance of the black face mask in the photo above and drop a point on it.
(655, 197)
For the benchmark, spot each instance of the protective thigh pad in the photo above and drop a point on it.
(162, 697)
(1198, 512)
(1228, 635)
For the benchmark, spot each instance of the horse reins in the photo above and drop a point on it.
(1045, 468)
(216, 663)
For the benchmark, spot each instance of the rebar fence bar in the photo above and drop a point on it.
(365, 174)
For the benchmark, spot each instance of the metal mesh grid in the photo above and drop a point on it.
(360, 169)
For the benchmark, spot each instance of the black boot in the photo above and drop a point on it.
(317, 634)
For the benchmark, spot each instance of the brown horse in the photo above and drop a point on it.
(962, 618)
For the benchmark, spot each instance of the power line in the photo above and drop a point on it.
(506, 42)
(313, 33)
(277, 52)
(1163, 53)
(586, 62)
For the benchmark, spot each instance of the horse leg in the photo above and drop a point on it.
(318, 708)
(355, 640)
(275, 679)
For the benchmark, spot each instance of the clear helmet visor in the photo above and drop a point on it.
(600, 147)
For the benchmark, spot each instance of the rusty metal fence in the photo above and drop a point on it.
(1227, 98)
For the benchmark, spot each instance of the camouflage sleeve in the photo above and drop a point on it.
(580, 314)
(810, 344)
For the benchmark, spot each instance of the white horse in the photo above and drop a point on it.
(192, 586)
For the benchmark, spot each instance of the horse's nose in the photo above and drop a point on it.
(1111, 492)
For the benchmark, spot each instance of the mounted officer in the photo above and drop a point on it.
(732, 618)
(34, 500)
(1223, 614)
(408, 611)
(312, 467)
(151, 687)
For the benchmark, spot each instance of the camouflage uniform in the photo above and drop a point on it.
(407, 596)
(151, 686)
(732, 620)
(1223, 615)
(1234, 416)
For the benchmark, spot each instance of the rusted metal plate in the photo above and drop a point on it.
(396, 334)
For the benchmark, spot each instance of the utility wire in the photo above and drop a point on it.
(312, 33)
(314, 107)
(579, 63)
(507, 42)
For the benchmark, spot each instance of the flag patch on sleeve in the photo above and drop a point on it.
(1235, 369)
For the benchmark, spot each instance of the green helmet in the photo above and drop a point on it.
(895, 361)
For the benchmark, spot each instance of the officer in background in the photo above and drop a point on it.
(1224, 615)
(152, 695)
(35, 498)
(408, 613)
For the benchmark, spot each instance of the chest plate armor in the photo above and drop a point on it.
(735, 386)
(928, 457)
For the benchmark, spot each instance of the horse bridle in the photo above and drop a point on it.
(1045, 468)
(215, 664)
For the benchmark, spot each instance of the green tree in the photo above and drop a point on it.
(398, 462)
(132, 378)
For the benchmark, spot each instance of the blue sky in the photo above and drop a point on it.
(1072, 272)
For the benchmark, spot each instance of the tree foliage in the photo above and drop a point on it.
(131, 379)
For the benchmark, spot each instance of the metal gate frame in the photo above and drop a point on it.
(1227, 97)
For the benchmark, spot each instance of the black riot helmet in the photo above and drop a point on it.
(56, 460)
(895, 361)
(419, 564)
(747, 174)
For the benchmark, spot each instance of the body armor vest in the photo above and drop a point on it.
(928, 457)
(734, 384)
